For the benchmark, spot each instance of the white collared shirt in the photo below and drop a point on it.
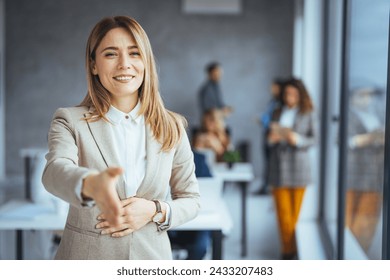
(287, 118)
(128, 133)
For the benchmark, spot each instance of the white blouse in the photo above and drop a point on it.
(287, 117)
(128, 133)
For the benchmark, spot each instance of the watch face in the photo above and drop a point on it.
(157, 217)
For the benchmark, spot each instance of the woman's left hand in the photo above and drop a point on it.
(136, 213)
(291, 138)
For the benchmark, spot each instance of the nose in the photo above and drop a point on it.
(124, 62)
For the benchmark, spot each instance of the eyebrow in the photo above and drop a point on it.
(116, 48)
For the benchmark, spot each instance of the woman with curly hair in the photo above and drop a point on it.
(292, 133)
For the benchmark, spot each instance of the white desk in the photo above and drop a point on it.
(12, 216)
(218, 221)
(242, 174)
(20, 215)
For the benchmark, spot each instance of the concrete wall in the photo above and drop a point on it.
(45, 43)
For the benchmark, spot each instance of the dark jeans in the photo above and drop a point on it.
(266, 155)
(195, 242)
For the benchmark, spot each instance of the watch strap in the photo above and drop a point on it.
(158, 214)
(158, 206)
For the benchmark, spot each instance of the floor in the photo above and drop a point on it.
(263, 236)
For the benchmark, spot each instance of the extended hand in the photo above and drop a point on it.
(101, 188)
(135, 213)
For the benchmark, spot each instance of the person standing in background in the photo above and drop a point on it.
(265, 120)
(292, 132)
(210, 96)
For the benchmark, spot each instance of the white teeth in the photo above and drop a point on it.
(123, 78)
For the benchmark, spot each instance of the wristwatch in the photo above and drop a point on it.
(158, 215)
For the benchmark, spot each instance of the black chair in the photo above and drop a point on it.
(243, 147)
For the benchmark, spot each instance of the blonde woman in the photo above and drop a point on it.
(117, 156)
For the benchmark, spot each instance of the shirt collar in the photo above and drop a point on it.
(117, 116)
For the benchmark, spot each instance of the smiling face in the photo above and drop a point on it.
(119, 66)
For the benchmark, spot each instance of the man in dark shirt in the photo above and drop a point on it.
(210, 96)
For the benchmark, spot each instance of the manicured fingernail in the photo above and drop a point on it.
(103, 232)
(99, 218)
(98, 226)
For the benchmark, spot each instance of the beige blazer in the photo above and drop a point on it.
(76, 148)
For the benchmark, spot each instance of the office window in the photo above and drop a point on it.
(367, 78)
(355, 79)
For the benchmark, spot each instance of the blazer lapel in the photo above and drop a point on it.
(153, 155)
(101, 133)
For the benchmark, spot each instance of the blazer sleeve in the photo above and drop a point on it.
(62, 174)
(308, 139)
(185, 203)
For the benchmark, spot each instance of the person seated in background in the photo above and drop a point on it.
(213, 134)
(195, 242)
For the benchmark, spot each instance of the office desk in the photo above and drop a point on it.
(217, 220)
(13, 218)
(242, 174)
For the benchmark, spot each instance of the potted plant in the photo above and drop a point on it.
(231, 156)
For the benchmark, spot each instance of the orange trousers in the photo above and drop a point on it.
(288, 201)
(362, 215)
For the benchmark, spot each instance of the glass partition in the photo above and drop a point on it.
(355, 76)
(366, 90)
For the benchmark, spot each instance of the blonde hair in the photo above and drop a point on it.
(165, 124)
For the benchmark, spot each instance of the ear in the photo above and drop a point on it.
(93, 67)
